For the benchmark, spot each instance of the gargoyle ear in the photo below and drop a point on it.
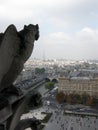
(25, 27)
(37, 26)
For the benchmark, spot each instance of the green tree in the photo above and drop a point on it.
(60, 97)
(39, 70)
(84, 97)
(42, 70)
(49, 85)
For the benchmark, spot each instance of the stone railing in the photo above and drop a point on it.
(11, 112)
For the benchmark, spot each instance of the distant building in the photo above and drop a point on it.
(79, 85)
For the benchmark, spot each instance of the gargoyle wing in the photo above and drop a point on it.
(9, 49)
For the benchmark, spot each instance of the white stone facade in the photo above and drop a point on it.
(79, 86)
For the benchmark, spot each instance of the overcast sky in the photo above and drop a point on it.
(68, 28)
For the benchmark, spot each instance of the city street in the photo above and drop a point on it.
(60, 121)
(64, 122)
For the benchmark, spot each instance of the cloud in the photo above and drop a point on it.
(19, 12)
(79, 45)
(72, 14)
(64, 14)
(68, 28)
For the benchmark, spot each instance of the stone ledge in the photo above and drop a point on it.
(5, 113)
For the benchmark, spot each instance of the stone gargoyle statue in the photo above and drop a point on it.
(15, 49)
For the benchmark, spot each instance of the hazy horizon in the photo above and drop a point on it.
(45, 59)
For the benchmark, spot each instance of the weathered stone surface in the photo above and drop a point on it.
(5, 113)
(15, 49)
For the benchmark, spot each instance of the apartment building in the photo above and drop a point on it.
(79, 85)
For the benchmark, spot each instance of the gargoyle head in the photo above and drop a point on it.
(33, 29)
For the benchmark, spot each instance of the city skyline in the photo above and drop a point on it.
(68, 28)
